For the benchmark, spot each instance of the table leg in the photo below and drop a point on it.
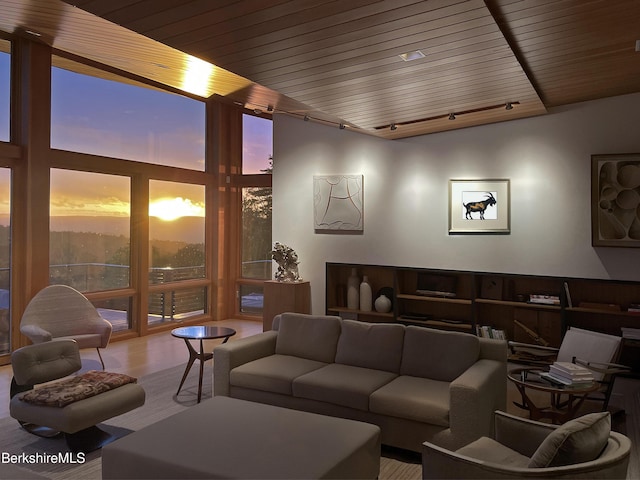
(192, 358)
(201, 371)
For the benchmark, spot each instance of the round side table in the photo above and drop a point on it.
(559, 410)
(199, 332)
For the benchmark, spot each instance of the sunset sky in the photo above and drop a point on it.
(102, 117)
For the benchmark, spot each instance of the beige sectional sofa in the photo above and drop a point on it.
(417, 384)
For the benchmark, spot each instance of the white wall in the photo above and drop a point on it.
(546, 158)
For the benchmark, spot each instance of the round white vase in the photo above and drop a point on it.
(383, 304)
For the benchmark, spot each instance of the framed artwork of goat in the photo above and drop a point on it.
(479, 206)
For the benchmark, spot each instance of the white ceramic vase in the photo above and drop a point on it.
(366, 299)
(383, 304)
(353, 290)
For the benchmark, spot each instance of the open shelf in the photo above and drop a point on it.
(498, 300)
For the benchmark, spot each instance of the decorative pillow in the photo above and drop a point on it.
(72, 389)
(577, 441)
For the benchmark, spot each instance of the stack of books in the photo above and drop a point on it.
(544, 299)
(486, 331)
(567, 373)
(631, 333)
(634, 308)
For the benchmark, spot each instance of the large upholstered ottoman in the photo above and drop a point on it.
(229, 438)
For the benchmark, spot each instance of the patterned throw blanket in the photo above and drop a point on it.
(76, 388)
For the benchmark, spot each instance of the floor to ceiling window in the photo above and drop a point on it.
(130, 207)
(257, 166)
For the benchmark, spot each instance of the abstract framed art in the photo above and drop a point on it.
(338, 203)
(479, 206)
(615, 200)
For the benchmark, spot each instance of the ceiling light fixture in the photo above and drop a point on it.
(508, 106)
(450, 116)
(342, 126)
(409, 56)
(393, 127)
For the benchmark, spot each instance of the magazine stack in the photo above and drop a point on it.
(567, 373)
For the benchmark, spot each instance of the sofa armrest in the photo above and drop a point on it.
(493, 349)
(520, 434)
(230, 355)
(474, 396)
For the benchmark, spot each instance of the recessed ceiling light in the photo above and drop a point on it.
(415, 55)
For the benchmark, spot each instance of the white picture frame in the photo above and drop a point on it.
(479, 206)
(338, 203)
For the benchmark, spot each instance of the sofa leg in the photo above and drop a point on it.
(88, 440)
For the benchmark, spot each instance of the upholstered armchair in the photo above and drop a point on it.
(59, 311)
(521, 448)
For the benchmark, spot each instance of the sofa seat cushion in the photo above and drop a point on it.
(273, 373)
(414, 398)
(490, 451)
(341, 385)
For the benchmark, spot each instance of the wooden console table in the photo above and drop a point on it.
(280, 297)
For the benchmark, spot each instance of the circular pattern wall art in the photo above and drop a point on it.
(615, 209)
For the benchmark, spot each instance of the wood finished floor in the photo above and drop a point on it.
(153, 353)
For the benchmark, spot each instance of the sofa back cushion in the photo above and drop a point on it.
(314, 337)
(371, 345)
(437, 354)
(577, 441)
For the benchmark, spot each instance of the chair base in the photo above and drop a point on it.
(87, 440)
(39, 430)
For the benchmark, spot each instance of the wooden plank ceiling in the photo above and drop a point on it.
(339, 61)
